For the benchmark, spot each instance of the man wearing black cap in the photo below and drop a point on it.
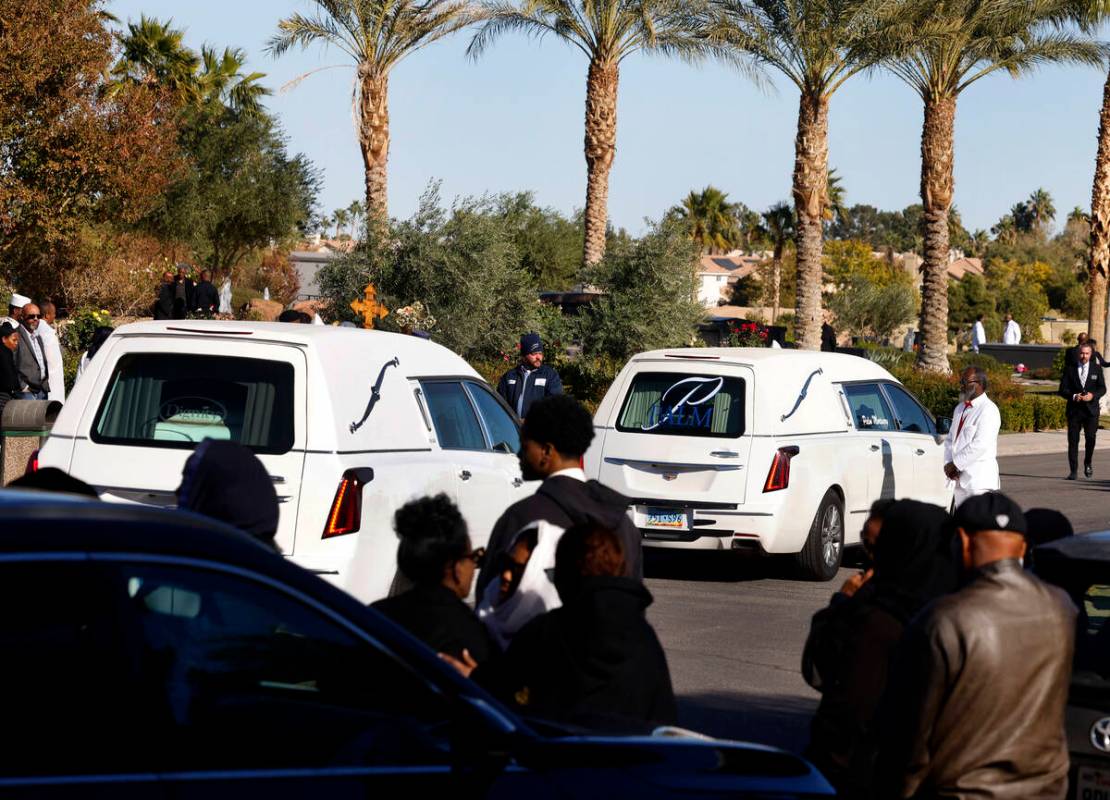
(976, 698)
(530, 380)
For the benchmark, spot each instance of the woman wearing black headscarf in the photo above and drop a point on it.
(852, 641)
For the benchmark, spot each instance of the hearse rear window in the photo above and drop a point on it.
(674, 404)
(177, 401)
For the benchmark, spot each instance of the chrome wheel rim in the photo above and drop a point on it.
(832, 531)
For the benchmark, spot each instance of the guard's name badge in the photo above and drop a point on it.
(541, 381)
(512, 383)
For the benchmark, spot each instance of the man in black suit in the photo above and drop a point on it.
(1082, 384)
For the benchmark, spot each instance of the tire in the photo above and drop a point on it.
(823, 551)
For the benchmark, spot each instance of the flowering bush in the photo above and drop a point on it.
(79, 328)
(746, 334)
(414, 317)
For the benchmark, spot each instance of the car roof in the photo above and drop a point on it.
(327, 339)
(847, 367)
(1085, 547)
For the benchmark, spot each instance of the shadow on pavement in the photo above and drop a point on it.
(714, 566)
(774, 720)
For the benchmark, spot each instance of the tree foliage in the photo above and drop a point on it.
(70, 155)
(241, 190)
(871, 298)
(461, 262)
(650, 291)
(710, 220)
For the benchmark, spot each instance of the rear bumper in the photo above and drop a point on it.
(738, 528)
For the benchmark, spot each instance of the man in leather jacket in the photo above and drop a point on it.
(976, 698)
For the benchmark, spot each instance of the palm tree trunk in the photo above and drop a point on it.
(1098, 265)
(601, 146)
(776, 282)
(936, 197)
(373, 140)
(811, 163)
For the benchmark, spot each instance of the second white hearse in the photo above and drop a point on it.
(780, 451)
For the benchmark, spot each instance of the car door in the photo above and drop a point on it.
(503, 438)
(157, 405)
(917, 435)
(482, 480)
(889, 470)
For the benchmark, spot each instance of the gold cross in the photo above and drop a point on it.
(369, 307)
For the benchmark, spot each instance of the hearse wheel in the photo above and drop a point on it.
(820, 557)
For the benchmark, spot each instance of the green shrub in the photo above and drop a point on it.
(938, 393)
(1058, 363)
(1017, 415)
(1049, 412)
(80, 327)
(889, 358)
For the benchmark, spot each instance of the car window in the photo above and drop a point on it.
(66, 674)
(176, 400)
(911, 416)
(502, 430)
(870, 411)
(245, 676)
(456, 424)
(675, 404)
(1092, 640)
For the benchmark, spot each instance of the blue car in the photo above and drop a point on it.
(151, 653)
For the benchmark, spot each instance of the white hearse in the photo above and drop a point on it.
(350, 424)
(781, 451)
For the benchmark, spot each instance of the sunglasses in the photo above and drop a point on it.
(478, 556)
(32, 316)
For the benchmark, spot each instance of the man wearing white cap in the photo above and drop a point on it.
(15, 310)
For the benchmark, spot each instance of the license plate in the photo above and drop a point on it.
(666, 518)
(1092, 784)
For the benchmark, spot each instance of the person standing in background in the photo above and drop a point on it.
(1082, 385)
(971, 449)
(163, 305)
(34, 378)
(1011, 331)
(978, 334)
(206, 297)
(530, 380)
(52, 349)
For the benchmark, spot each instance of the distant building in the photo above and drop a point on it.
(716, 274)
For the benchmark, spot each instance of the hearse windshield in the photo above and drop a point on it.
(673, 404)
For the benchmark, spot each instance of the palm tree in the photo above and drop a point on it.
(779, 227)
(711, 221)
(1005, 230)
(944, 49)
(607, 32)
(1090, 13)
(153, 52)
(375, 35)
(221, 79)
(356, 211)
(817, 45)
(1041, 210)
(836, 207)
(979, 240)
(340, 217)
(1077, 215)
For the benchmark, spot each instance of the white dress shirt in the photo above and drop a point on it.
(1012, 334)
(1084, 371)
(55, 369)
(973, 448)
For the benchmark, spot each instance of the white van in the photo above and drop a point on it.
(781, 451)
(350, 424)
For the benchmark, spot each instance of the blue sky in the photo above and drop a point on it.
(513, 120)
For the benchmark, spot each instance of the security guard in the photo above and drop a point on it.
(529, 381)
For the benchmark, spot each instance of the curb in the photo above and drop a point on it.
(1042, 443)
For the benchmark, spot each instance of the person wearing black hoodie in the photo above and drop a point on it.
(555, 436)
(226, 481)
(595, 661)
(852, 642)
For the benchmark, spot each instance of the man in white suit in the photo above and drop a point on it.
(971, 449)
(52, 349)
(1011, 333)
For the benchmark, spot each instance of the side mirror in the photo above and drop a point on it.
(944, 424)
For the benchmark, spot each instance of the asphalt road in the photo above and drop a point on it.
(734, 628)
